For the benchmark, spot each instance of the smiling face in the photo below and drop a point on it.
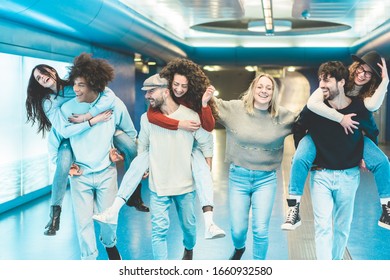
(363, 74)
(46, 80)
(330, 87)
(263, 93)
(155, 97)
(179, 85)
(83, 92)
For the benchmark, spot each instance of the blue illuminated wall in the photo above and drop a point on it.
(24, 162)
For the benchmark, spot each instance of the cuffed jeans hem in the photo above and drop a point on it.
(110, 245)
(90, 257)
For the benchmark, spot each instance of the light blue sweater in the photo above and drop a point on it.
(91, 147)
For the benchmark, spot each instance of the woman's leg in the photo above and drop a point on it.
(128, 148)
(60, 182)
(378, 163)
(263, 197)
(239, 205)
(204, 189)
(302, 161)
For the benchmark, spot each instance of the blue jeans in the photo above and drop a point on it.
(200, 171)
(333, 196)
(159, 208)
(127, 147)
(254, 188)
(60, 179)
(202, 177)
(90, 193)
(376, 161)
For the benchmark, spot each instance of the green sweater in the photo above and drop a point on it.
(254, 141)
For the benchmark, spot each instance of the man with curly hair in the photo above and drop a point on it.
(97, 185)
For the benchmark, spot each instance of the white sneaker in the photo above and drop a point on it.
(213, 232)
(107, 216)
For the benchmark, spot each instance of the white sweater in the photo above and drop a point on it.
(170, 171)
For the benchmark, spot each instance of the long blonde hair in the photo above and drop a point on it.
(249, 98)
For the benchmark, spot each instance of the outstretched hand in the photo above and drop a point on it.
(348, 123)
(207, 95)
(383, 66)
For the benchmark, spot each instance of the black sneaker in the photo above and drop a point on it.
(384, 220)
(293, 219)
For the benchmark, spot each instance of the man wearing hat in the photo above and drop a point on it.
(170, 174)
(336, 177)
(368, 81)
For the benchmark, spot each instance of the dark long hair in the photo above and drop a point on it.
(197, 83)
(36, 95)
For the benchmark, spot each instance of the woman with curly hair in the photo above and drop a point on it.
(188, 85)
(368, 80)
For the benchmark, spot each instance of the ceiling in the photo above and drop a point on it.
(326, 23)
(164, 29)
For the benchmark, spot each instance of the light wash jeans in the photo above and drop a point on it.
(122, 142)
(376, 161)
(333, 196)
(159, 208)
(60, 179)
(200, 172)
(251, 188)
(127, 147)
(92, 193)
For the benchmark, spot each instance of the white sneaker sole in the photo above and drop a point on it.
(290, 226)
(104, 221)
(386, 226)
(216, 236)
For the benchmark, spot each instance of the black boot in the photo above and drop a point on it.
(54, 224)
(237, 254)
(187, 254)
(113, 253)
(136, 200)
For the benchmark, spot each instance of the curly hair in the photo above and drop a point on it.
(367, 89)
(96, 72)
(197, 83)
(37, 94)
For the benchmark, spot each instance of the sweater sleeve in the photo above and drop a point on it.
(316, 104)
(59, 122)
(158, 118)
(207, 119)
(205, 141)
(374, 102)
(143, 138)
(106, 101)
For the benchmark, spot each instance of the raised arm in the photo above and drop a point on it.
(374, 102)
(316, 104)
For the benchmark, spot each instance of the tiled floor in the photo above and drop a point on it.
(22, 238)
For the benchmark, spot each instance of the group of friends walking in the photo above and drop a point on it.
(89, 130)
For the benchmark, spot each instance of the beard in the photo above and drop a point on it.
(156, 103)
